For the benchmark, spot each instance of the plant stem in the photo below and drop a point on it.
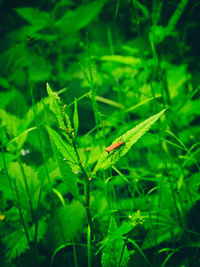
(86, 204)
(87, 189)
(16, 199)
(21, 215)
(27, 190)
(89, 246)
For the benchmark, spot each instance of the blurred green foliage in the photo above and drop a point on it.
(112, 67)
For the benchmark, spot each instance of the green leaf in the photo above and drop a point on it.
(66, 159)
(13, 100)
(5, 186)
(176, 77)
(66, 223)
(129, 138)
(65, 148)
(16, 241)
(143, 8)
(75, 117)
(4, 83)
(114, 249)
(59, 112)
(55, 106)
(27, 183)
(130, 61)
(9, 157)
(159, 33)
(164, 234)
(117, 233)
(59, 195)
(12, 126)
(39, 68)
(156, 11)
(34, 16)
(176, 16)
(10, 123)
(75, 20)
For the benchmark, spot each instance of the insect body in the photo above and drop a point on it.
(114, 146)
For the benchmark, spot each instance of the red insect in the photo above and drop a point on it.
(114, 146)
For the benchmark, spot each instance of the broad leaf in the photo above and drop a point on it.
(34, 16)
(10, 123)
(27, 184)
(16, 241)
(115, 250)
(65, 159)
(75, 20)
(65, 148)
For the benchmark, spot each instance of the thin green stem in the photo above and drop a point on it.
(86, 203)
(74, 254)
(89, 246)
(87, 188)
(27, 190)
(21, 215)
(16, 199)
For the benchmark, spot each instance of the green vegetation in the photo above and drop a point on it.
(77, 77)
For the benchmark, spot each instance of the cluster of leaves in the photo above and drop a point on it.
(61, 193)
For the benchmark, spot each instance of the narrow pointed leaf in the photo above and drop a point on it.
(75, 117)
(129, 138)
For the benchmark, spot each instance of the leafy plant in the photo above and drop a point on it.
(102, 168)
